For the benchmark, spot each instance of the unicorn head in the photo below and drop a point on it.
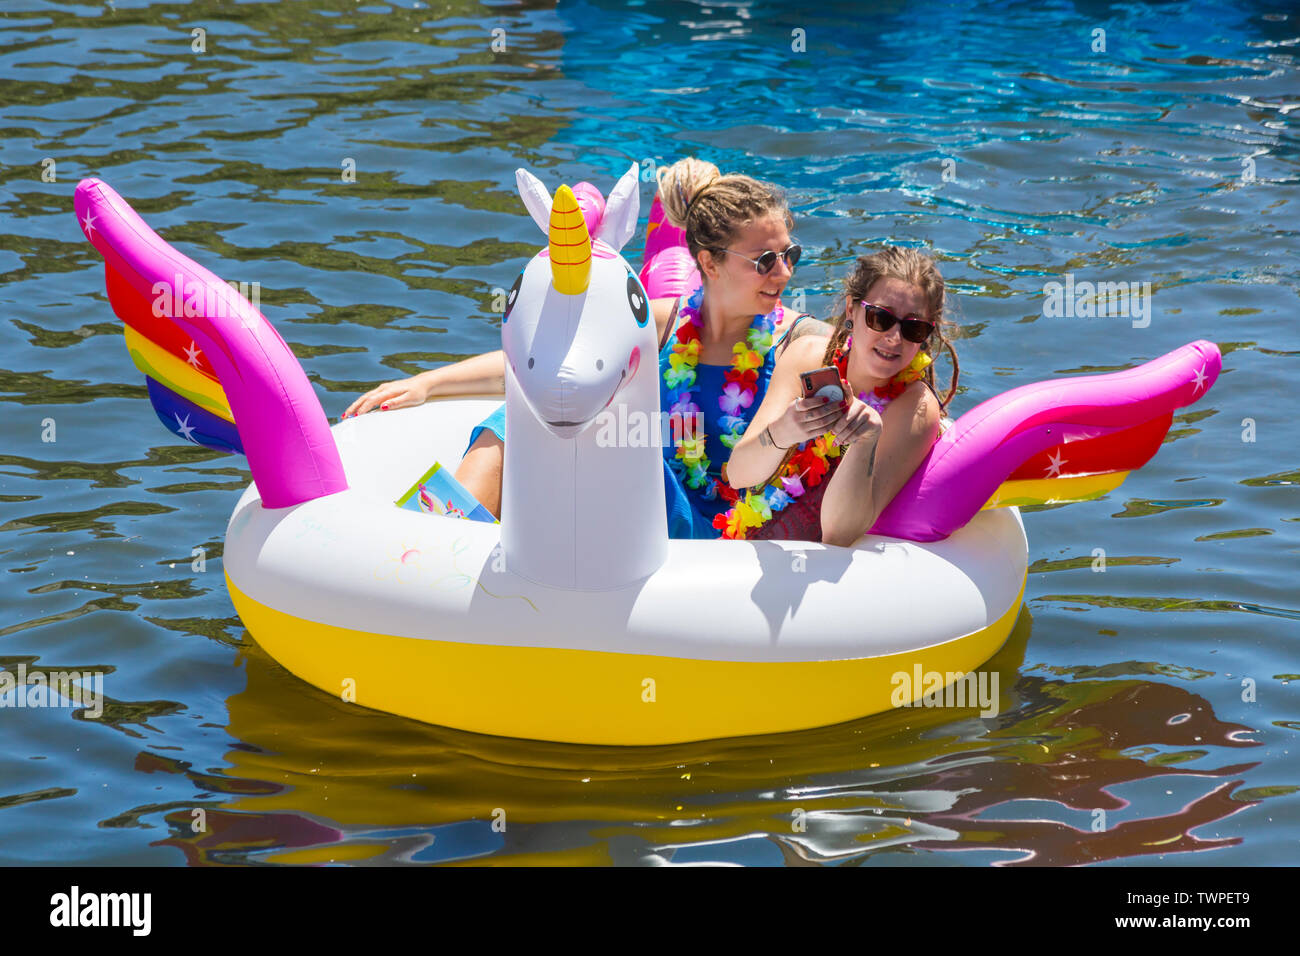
(579, 510)
(575, 321)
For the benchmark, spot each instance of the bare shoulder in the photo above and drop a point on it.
(805, 327)
(916, 405)
(665, 312)
(811, 326)
(802, 353)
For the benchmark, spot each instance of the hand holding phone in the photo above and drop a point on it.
(813, 414)
(824, 383)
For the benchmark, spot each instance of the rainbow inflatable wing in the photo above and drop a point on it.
(218, 373)
(1064, 440)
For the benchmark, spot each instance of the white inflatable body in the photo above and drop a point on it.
(576, 618)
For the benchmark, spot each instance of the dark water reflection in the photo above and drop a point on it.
(883, 788)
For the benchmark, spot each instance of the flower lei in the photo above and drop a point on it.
(812, 461)
(737, 394)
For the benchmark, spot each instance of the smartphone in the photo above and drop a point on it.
(823, 382)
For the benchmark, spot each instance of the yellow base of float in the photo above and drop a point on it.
(595, 697)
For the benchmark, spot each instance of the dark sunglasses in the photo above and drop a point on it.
(767, 261)
(882, 320)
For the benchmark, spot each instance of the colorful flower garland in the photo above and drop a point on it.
(737, 394)
(812, 461)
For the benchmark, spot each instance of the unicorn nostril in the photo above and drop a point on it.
(530, 362)
(600, 365)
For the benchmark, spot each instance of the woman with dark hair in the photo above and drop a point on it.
(825, 469)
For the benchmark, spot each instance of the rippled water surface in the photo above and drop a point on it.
(1148, 712)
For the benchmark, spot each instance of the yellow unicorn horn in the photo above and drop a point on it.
(570, 245)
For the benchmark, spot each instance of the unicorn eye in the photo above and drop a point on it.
(514, 294)
(636, 298)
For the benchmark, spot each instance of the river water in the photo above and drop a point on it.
(1149, 709)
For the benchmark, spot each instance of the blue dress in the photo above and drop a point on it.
(690, 510)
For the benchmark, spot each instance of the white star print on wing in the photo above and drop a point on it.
(185, 427)
(1056, 461)
(192, 354)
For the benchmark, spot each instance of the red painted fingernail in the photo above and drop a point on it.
(383, 408)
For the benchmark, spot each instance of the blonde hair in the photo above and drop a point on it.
(713, 208)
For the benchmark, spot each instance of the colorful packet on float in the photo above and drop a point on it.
(439, 493)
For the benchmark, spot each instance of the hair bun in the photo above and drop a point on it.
(698, 193)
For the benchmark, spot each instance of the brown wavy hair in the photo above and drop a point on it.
(713, 208)
(916, 269)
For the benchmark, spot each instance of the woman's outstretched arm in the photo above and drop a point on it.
(479, 375)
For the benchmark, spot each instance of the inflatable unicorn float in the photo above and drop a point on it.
(576, 618)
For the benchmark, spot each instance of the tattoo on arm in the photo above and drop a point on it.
(871, 461)
(808, 326)
(812, 327)
(764, 439)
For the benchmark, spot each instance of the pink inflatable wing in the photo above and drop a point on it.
(668, 270)
(1045, 435)
(218, 373)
